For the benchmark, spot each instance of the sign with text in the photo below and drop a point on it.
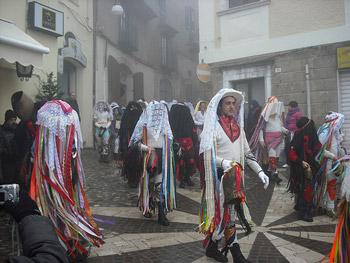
(45, 19)
(343, 57)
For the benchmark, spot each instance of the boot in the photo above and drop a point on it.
(212, 251)
(237, 254)
(189, 182)
(276, 178)
(182, 183)
(248, 228)
(162, 220)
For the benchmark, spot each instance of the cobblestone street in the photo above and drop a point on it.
(277, 237)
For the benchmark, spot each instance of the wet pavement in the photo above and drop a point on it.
(278, 235)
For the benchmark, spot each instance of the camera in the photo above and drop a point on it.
(9, 192)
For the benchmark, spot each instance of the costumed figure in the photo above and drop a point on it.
(189, 105)
(269, 136)
(226, 150)
(114, 129)
(184, 132)
(26, 110)
(340, 252)
(143, 103)
(303, 166)
(103, 116)
(157, 186)
(131, 156)
(330, 137)
(253, 118)
(199, 114)
(58, 181)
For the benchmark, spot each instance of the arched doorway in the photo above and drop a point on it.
(119, 82)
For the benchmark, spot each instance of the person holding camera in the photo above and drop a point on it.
(39, 239)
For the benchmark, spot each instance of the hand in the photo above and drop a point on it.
(285, 131)
(265, 179)
(305, 165)
(25, 207)
(146, 148)
(262, 143)
(226, 165)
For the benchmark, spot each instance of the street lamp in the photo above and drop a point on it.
(117, 9)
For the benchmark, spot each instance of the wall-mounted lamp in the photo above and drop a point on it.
(117, 9)
(24, 72)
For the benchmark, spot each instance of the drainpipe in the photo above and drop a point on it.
(94, 28)
(94, 12)
(308, 97)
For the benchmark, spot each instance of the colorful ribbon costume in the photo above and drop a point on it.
(58, 181)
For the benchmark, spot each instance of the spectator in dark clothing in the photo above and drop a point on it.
(26, 110)
(293, 115)
(2, 149)
(252, 119)
(39, 240)
(72, 101)
(8, 153)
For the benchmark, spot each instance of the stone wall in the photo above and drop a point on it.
(290, 83)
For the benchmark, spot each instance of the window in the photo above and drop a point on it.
(162, 7)
(190, 23)
(235, 3)
(128, 33)
(164, 50)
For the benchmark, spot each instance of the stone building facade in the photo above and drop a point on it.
(69, 52)
(293, 50)
(150, 52)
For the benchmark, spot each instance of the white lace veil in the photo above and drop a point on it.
(211, 119)
(155, 119)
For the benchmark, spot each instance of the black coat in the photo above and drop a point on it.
(8, 156)
(39, 241)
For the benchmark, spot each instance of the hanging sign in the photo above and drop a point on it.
(45, 19)
(343, 57)
(203, 72)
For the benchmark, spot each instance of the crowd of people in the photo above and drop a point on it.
(160, 146)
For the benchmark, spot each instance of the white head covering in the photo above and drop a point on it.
(333, 123)
(190, 106)
(155, 119)
(273, 106)
(101, 107)
(211, 118)
(196, 109)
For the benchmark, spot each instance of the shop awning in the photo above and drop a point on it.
(16, 45)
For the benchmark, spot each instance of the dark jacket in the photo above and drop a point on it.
(39, 241)
(2, 150)
(9, 156)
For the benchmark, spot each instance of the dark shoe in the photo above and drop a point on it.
(182, 184)
(132, 184)
(276, 178)
(162, 220)
(148, 215)
(237, 254)
(189, 182)
(307, 218)
(212, 251)
(248, 228)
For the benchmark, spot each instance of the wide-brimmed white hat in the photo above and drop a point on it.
(233, 93)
